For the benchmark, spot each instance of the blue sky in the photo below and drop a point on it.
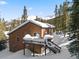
(10, 9)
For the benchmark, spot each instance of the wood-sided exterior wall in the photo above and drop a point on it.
(16, 37)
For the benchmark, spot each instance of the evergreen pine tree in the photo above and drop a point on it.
(65, 15)
(24, 16)
(74, 28)
(56, 11)
(61, 9)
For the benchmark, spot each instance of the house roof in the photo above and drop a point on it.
(41, 24)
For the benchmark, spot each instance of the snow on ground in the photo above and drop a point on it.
(64, 54)
(59, 39)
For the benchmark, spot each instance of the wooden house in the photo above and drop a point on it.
(29, 27)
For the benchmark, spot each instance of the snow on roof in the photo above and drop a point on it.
(41, 24)
(18, 27)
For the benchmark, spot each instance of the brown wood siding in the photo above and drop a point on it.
(16, 37)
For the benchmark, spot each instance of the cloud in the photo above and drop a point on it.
(2, 2)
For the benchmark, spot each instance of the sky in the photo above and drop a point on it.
(12, 9)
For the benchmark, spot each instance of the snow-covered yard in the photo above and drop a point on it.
(64, 54)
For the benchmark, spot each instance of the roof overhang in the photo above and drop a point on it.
(41, 24)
